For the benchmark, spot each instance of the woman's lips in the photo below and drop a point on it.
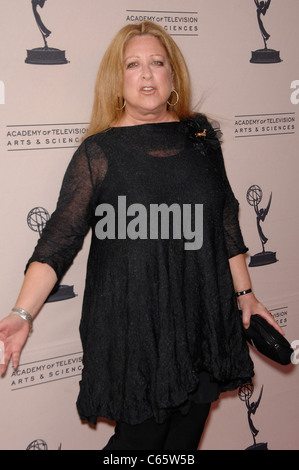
(147, 89)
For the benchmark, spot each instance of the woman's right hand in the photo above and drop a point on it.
(14, 332)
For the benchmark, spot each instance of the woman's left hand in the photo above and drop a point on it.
(251, 306)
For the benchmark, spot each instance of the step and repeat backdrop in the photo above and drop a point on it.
(244, 64)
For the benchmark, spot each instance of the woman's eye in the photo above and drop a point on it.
(132, 65)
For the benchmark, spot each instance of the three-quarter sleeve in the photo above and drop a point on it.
(64, 233)
(230, 220)
(232, 231)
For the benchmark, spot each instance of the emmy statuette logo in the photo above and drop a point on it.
(264, 56)
(44, 55)
(40, 444)
(37, 219)
(245, 393)
(254, 197)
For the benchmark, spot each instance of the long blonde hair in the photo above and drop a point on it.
(109, 83)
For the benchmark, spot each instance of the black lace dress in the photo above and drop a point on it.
(160, 325)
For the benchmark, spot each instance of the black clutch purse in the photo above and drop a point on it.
(268, 341)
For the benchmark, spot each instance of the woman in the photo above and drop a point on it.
(160, 328)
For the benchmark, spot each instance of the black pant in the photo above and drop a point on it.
(178, 432)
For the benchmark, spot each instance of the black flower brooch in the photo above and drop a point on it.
(202, 134)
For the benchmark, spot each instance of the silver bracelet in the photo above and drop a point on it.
(23, 314)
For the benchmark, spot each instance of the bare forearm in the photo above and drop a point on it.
(248, 302)
(39, 281)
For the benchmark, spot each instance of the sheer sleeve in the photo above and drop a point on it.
(211, 144)
(64, 233)
(232, 231)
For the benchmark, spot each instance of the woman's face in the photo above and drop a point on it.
(147, 79)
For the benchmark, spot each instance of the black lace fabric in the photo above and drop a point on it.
(160, 325)
(63, 236)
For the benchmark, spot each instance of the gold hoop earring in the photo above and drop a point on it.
(123, 106)
(177, 99)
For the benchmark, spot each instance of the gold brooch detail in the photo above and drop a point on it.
(201, 134)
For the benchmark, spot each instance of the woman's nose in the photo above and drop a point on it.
(146, 72)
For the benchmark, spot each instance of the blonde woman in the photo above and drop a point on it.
(160, 328)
